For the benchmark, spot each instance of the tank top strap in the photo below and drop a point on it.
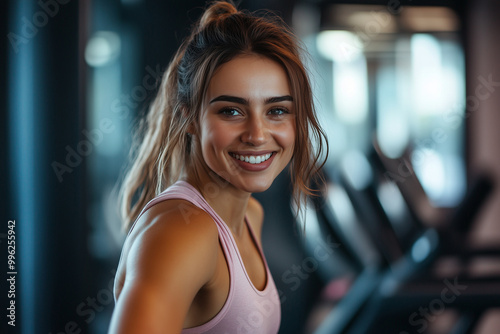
(179, 190)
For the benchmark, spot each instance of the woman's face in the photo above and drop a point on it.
(247, 122)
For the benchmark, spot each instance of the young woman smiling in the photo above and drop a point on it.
(233, 110)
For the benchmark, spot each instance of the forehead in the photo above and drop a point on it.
(250, 76)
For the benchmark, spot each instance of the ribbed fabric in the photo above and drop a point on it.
(247, 310)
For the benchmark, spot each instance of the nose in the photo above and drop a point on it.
(255, 132)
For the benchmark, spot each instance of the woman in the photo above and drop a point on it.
(233, 110)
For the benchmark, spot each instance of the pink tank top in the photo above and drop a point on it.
(247, 310)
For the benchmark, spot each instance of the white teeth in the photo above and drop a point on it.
(252, 159)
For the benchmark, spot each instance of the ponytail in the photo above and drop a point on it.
(156, 150)
(217, 12)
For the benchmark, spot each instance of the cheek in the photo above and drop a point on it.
(216, 137)
(286, 136)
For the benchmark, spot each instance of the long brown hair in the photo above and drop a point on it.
(221, 34)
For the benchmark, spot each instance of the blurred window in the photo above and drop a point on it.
(396, 76)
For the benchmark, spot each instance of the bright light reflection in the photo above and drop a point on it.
(342, 206)
(428, 82)
(346, 217)
(357, 169)
(391, 199)
(102, 48)
(425, 245)
(429, 167)
(339, 45)
(311, 226)
(393, 131)
(350, 91)
(307, 219)
(421, 249)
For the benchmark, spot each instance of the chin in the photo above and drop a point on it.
(257, 187)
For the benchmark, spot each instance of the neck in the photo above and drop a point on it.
(229, 202)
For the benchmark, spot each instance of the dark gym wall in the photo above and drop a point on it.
(44, 112)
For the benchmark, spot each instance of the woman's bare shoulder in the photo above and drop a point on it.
(176, 220)
(173, 231)
(168, 257)
(173, 213)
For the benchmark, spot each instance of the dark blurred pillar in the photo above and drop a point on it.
(483, 98)
(5, 197)
(45, 114)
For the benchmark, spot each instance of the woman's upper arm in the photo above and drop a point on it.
(167, 265)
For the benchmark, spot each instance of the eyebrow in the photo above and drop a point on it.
(240, 100)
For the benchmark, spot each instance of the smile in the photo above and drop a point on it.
(252, 159)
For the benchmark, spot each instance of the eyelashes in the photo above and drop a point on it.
(278, 111)
(229, 112)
